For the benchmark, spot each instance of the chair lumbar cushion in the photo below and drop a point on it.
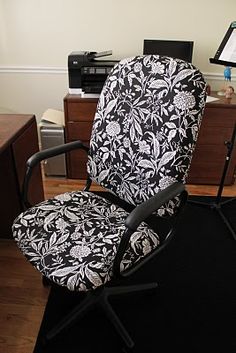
(73, 238)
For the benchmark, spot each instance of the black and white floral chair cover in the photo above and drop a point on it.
(144, 133)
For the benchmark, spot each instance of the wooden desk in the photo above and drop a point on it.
(18, 141)
(209, 156)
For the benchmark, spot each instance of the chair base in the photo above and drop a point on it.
(100, 297)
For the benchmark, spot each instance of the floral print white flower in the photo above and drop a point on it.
(113, 128)
(137, 67)
(61, 224)
(166, 181)
(184, 100)
(126, 142)
(144, 147)
(79, 251)
(158, 68)
(63, 197)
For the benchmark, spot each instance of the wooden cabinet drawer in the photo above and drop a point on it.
(210, 154)
(217, 126)
(214, 135)
(79, 131)
(219, 116)
(208, 163)
(83, 111)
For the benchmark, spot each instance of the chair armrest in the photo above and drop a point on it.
(141, 212)
(144, 210)
(54, 151)
(40, 156)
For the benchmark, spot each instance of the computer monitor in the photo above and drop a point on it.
(174, 48)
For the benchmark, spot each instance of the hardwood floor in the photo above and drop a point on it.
(22, 295)
(54, 186)
(22, 300)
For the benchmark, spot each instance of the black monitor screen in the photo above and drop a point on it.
(174, 48)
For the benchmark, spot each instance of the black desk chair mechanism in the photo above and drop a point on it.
(144, 133)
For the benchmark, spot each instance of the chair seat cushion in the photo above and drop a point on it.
(73, 238)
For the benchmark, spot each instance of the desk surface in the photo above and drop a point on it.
(11, 126)
(222, 101)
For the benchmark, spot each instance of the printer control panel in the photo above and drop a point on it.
(86, 73)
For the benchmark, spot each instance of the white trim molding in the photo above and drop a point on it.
(33, 70)
(217, 76)
(62, 70)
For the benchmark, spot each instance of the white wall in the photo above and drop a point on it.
(36, 37)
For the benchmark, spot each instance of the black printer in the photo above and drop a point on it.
(87, 73)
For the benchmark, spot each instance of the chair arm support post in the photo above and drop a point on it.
(140, 213)
(42, 155)
(121, 250)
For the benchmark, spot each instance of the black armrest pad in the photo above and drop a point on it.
(54, 151)
(142, 211)
(40, 156)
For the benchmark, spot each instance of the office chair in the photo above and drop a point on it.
(143, 137)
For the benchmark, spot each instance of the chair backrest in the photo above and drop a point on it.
(146, 126)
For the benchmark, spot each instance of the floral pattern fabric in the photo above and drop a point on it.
(146, 126)
(73, 238)
(143, 137)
